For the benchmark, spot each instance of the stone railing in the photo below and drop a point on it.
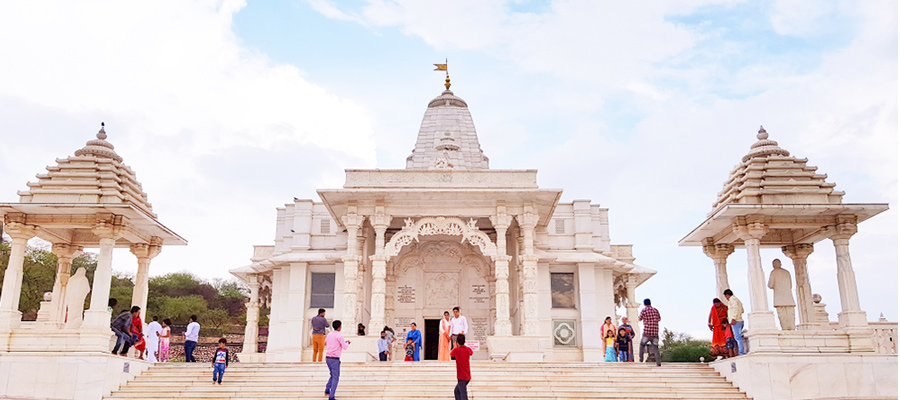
(885, 337)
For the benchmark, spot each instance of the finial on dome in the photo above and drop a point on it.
(447, 81)
(762, 134)
(102, 134)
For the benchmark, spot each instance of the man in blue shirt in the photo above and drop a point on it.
(384, 348)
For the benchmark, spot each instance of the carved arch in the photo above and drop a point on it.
(431, 226)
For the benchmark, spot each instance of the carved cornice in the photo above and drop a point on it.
(450, 226)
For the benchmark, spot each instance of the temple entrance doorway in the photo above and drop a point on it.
(432, 338)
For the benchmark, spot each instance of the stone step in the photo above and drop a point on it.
(433, 380)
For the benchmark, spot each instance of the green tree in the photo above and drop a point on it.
(179, 309)
(681, 347)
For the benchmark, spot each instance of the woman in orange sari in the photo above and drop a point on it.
(718, 317)
(444, 340)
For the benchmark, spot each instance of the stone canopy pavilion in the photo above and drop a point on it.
(772, 199)
(89, 200)
(535, 277)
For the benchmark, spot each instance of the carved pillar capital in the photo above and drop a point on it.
(797, 251)
(717, 251)
(64, 251)
(147, 251)
(17, 229)
(749, 228)
(843, 228)
(109, 226)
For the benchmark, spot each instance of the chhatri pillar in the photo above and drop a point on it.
(798, 254)
(10, 316)
(851, 315)
(144, 253)
(751, 230)
(65, 253)
(719, 253)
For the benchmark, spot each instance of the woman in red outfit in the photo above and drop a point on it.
(137, 332)
(717, 314)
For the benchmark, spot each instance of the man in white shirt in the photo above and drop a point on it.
(153, 330)
(458, 326)
(191, 335)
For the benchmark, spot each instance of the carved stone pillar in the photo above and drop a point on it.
(719, 253)
(631, 305)
(65, 253)
(10, 316)
(108, 229)
(502, 325)
(251, 331)
(527, 222)
(353, 223)
(751, 231)
(798, 254)
(840, 234)
(144, 253)
(380, 221)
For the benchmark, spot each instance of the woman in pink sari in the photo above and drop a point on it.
(444, 338)
(164, 340)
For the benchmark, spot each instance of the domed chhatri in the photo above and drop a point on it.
(772, 199)
(90, 199)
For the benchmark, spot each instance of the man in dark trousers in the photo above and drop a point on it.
(461, 354)
(650, 317)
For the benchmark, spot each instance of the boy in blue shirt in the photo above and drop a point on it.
(220, 361)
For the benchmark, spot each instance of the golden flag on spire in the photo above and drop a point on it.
(440, 67)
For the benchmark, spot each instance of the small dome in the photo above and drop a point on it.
(99, 148)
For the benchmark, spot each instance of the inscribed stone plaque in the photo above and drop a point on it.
(479, 327)
(478, 294)
(406, 294)
(562, 288)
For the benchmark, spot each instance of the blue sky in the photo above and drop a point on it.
(228, 109)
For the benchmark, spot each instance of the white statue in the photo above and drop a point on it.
(780, 283)
(76, 291)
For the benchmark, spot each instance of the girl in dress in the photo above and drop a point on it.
(610, 342)
(164, 340)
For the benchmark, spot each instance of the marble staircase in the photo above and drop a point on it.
(433, 380)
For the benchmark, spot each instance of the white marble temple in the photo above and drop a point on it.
(406, 245)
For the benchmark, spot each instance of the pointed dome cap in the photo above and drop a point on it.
(99, 148)
(95, 175)
(770, 175)
(447, 137)
(765, 147)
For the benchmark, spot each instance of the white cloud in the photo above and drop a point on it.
(176, 89)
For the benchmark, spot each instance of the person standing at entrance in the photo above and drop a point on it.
(458, 326)
(191, 335)
(463, 375)
(384, 348)
(650, 317)
(416, 336)
(319, 324)
(335, 344)
(444, 338)
(735, 310)
(630, 332)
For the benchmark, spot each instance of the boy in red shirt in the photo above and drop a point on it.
(462, 354)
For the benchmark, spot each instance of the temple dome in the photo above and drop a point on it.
(94, 175)
(769, 175)
(447, 137)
